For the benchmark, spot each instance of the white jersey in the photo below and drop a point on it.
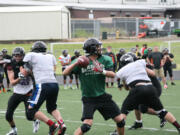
(42, 66)
(23, 86)
(133, 71)
(65, 60)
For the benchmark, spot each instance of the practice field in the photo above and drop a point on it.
(69, 103)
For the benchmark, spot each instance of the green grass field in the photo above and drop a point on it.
(69, 103)
(116, 45)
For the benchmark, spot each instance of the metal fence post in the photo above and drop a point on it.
(137, 26)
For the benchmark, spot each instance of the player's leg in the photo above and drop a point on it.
(70, 81)
(161, 73)
(85, 127)
(36, 122)
(171, 75)
(138, 123)
(89, 107)
(154, 102)
(107, 82)
(77, 80)
(13, 102)
(64, 79)
(35, 102)
(109, 109)
(51, 106)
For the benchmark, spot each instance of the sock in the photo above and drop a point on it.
(50, 122)
(77, 85)
(176, 124)
(107, 84)
(139, 121)
(60, 122)
(112, 83)
(70, 85)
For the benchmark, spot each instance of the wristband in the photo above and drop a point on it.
(104, 72)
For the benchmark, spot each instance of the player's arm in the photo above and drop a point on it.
(69, 69)
(150, 72)
(11, 77)
(125, 85)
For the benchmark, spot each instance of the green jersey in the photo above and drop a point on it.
(93, 83)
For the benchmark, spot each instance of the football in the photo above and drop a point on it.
(83, 61)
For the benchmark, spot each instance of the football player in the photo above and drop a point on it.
(92, 78)
(141, 91)
(43, 65)
(22, 89)
(65, 60)
(76, 55)
(168, 64)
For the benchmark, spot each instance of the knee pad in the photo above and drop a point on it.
(162, 114)
(30, 114)
(121, 123)
(143, 108)
(85, 128)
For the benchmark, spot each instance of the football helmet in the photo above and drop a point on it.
(4, 50)
(77, 53)
(125, 59)
(165, 50)
(122, 51)
(65, 52)
(18, 51)
(92, 46)
(39, 46)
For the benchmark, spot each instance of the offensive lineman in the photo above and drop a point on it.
(92, 80)
(141, 90)
(22, 87)
(43, 67)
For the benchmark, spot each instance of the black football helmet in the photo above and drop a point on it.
(91, 46)
(18, 51)
(133, 56)
(65, 52)
(122, 51)
(77, 53)
(4, 50)
(133, 50)
(165, 50)
(39, 46)
(125, 59)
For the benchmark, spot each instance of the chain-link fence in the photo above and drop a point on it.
(123, 27)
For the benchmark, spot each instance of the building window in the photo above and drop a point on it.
(155, 15)
(128, 14)
(113, 14)
(142, 14)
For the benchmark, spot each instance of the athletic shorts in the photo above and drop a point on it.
(141, 94)
(169, 70)
(104, 104)
(159, 72)
(45, 92)
(70, 75)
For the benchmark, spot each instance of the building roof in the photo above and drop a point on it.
(34, 8)
(83, 6)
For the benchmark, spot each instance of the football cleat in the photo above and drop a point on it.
(62, 129)
(172, 83)
(136, 125)
(13, 131)
(36, 124)
(162, 122)
(53, 129)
